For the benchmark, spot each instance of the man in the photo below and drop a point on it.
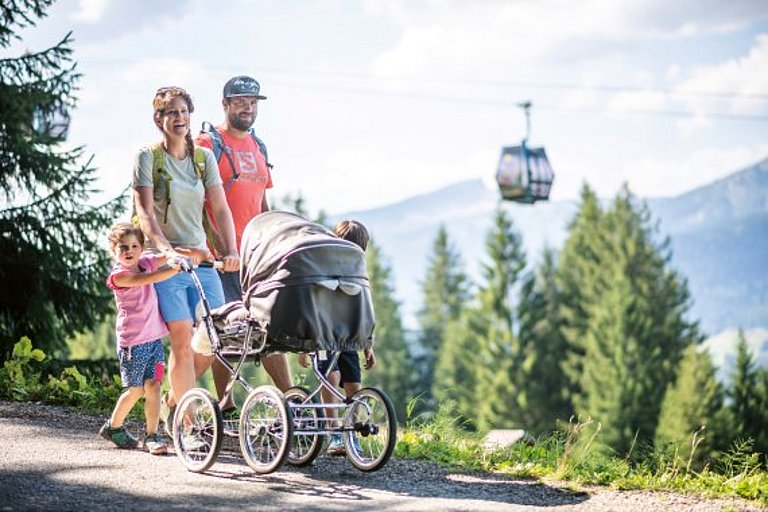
(245, 173)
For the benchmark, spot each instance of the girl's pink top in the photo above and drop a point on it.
(138, 315)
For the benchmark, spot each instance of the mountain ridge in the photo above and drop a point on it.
(717, 234)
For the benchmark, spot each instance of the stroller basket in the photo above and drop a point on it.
(235, 331)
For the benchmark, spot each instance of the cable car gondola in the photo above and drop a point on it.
(524, 174)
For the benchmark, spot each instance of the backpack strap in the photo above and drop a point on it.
(200, 168)
(159, 174)
(262, 147)
(218, 147)
(200, 163)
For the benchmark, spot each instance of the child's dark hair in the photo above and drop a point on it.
(353, 231)
(121, 230)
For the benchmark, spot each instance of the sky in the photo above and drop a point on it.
(374, 101)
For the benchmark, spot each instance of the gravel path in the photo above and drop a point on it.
(51, 458)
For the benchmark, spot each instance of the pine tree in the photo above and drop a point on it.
(394, 373)
(456, 368)
(543, 397)
(761, 440)
(577, 265)
(506, 257)
(501, 357)
(636, 329)
(745, 400)
(693, 410)
(445, 292)
(478, 353)
(52, 264)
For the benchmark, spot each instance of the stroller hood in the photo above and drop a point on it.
(308, 287)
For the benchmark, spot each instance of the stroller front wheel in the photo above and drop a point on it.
(266, 427)
(197, 430)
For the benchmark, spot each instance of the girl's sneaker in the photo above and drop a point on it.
(336, 446)
(121, 437)
(154, 444)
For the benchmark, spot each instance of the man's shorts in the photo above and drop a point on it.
(230, 282)
(348, 365)
(178, 297)
(141, 363)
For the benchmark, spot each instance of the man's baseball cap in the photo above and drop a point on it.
(242, 86)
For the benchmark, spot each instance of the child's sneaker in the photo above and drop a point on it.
(336, 446)
(121, 437)
(194, 443)
(154, 444)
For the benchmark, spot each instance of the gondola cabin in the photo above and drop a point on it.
(524, 174)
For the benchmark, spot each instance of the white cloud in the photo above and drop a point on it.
(742, 80)
(637, 101)
(436, 36)
(90, 11)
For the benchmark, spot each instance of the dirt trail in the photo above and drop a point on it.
(51, 458)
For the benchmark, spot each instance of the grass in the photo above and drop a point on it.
(577, 457)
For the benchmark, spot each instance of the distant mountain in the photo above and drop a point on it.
(718, 232)
(738, 196)
(719, 235)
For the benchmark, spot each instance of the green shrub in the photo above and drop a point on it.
(25, 377)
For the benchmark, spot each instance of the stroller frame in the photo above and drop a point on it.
(367, 422)
(266, 424)
(276, 427)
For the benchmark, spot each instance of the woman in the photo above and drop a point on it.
(170, 212)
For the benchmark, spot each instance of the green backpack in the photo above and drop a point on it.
(162, 178)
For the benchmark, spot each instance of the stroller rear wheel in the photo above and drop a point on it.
(305, 446)
(197, 430)
(370, 429)
(266, 427)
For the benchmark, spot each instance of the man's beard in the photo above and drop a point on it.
(239, 123)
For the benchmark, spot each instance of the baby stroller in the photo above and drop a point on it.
(304, 290)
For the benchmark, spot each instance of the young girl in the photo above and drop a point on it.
(140, 329)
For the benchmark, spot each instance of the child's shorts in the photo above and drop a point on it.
(141, 363)
(348, 365)
(178, 297)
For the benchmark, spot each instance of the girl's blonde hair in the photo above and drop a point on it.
(121, 230)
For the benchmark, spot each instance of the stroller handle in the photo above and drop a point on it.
(186, 264)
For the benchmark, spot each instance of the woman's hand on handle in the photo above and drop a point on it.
(196, 256)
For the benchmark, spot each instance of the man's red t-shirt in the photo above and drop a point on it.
(244, 194)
